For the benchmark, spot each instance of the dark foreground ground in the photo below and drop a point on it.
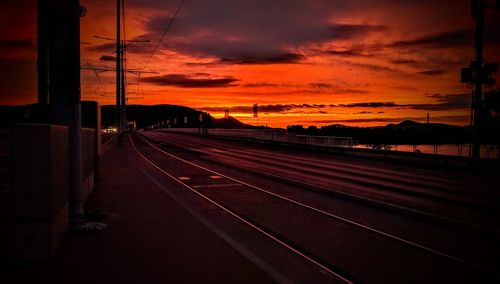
(186, 209)
(150, 239)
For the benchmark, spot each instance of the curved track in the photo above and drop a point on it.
(310, 215)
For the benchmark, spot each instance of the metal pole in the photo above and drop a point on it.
(123, 102)
(118, 70)
(477, 94)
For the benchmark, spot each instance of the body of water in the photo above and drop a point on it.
(487, 151)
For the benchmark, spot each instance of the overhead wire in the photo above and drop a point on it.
(96, 75)
(167, 28)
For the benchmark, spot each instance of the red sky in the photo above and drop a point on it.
(304, 62)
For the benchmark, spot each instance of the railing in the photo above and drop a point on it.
(457, 153)
(273, 135)
(461, 150)
(334, 141)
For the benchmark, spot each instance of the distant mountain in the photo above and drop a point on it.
(173, 115)
(143, 115)
(231, 122)
(407, 124)
(410, 124)
(405, 132)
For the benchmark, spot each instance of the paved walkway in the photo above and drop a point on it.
(150, 238)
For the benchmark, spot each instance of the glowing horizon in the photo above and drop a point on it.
(304, 62)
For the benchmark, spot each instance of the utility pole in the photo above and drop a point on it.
(121, 100)
(118, 115)
(121, 46)
(478, 73)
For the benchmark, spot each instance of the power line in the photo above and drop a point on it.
(106, 69)
(170, 23)
(96, 74)
(164, 33)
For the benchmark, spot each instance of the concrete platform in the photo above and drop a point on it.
(150, 238)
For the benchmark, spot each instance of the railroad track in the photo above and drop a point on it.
(316, 254)
(450, 202)
(106, 137)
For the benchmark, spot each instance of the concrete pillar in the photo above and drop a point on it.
(63, 33)
(40, 186)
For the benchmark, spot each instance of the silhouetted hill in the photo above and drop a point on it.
(173, 115)
(405, 132)
(144, 115)
(414, 124)
(231, 122)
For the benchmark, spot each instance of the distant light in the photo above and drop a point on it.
(109, 130)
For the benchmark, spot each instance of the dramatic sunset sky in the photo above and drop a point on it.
(314, 62)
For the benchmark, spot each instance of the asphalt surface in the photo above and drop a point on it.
(453, 194)
(151, 237)
(188, 209)
(454, 239)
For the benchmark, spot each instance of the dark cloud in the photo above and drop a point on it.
(404, 61)
(328, 88)
(287, 58)
(357, 51)
(431, 72)
(340, 31)
(371, 104)
(255, 32)
(443, 102)
(346, 53)
(191, 81)
(375, 67)
(452, 100)
(105, 47)
(321, 85)
(369, 112)
(213, 63)
(260, 84)
(353, 91)
(449, 39)
(107, 58)
(109, 47)
(276, 108)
